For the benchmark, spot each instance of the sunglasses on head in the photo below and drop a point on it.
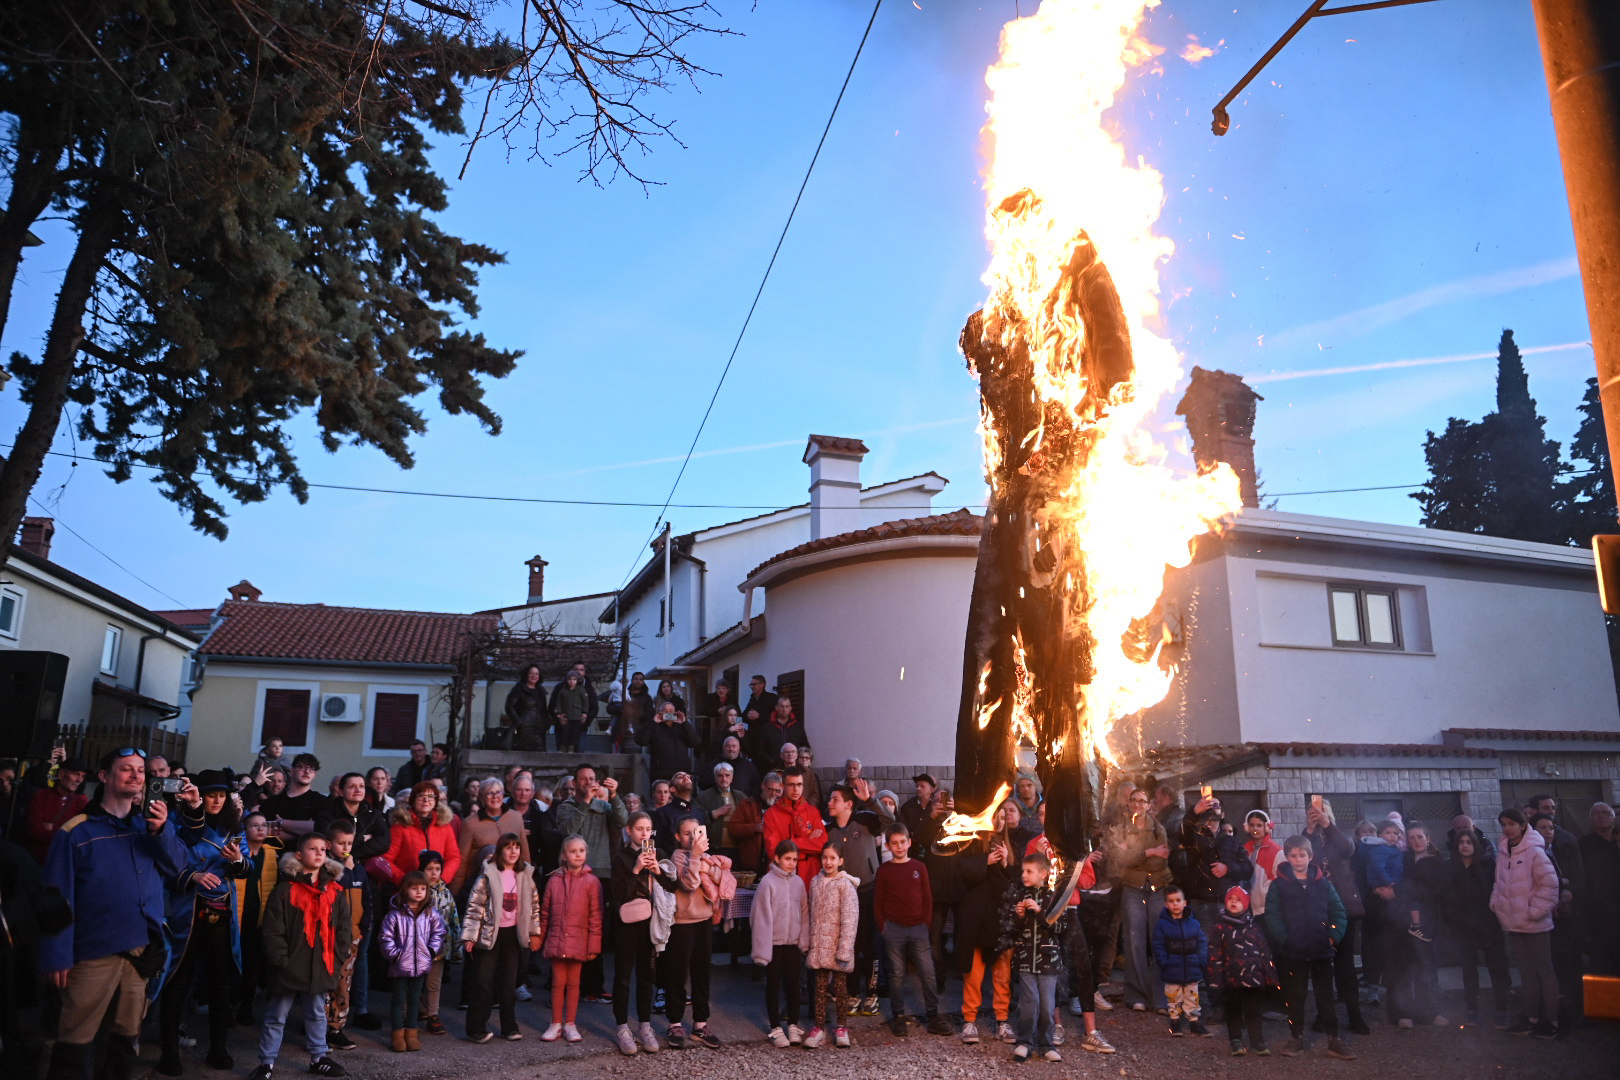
(128, 751)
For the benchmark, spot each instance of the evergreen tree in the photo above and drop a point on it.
(1586, 495)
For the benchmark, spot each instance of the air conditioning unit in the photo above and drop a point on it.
(340, 708)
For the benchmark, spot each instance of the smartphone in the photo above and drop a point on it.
(1316, 802)
(1206, 791)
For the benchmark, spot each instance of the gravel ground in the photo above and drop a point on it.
(1145, 1049)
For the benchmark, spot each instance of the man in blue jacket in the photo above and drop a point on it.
(110, 864)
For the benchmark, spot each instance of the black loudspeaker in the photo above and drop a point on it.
(30, 702)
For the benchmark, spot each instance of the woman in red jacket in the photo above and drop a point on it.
(420, 824)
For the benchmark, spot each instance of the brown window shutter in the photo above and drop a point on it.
(393, 726)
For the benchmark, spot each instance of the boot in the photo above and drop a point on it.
(118, 1060)
(71, 1061)
(398, 1043)
(413, 1039)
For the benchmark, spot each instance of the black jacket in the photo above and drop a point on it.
(1465, 903)
(669, 747)
(369, 820)
(1203, 850)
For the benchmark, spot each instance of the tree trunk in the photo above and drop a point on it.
(48, 395)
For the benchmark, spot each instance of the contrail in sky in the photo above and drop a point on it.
(1422, 361)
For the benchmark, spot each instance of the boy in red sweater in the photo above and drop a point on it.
(902, 905)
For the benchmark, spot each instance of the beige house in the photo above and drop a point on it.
(355, 686)
(75, 652)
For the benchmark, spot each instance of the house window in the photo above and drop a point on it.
(286, 717)
(109, 650)
(1364, 618)
(792, 684)
(11, 610)
(393, 721)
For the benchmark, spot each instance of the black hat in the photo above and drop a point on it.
(924, 778)
(74, 764)
(213, 780)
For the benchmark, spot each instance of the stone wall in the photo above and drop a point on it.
(1288, 789)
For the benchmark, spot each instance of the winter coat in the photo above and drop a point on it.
(861, 848)
(205, 842)
(1465, 903)
(1203, 850)
(1180, 947)
(1422, 882)
(1037, 946)
(748, 831)
(780, 914)
(801, 823)
(633, 713)
(483, 919)
(304, 955)
(669, 747)
(257, 885)
(1383, 862)
(48, 810)
(1240, 954)
(527, 705)
(1127, 843)
(408, 838)
(1305, 919)
(368, 820)
(572, 704)
(744, 775)
(1333, 854)
(479, 831)
(411, 941)
(1525, 894)
(978, 919)
(562, 688)
(835, 915)
(444, 902)
(593, 821)
(765, 737)
(571, 915)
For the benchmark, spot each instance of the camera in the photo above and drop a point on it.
(165, 785)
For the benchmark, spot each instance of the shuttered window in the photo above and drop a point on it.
(393, 723)
(286, 717)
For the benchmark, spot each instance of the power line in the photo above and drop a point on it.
(45, 510)
(703, 423)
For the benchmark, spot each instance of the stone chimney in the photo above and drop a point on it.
(244, 590)
(835, 484)
(537, 579)
(36, 534)
(1219, 408)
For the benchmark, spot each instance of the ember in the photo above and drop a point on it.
(1085, 513)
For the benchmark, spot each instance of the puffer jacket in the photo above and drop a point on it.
(1239, 954)
(444, 902)
(1037, 946)
(571, 915)
(1180, 947)
(411, 940)
(1526, 891)
(408, 838)
(780, 914)
(978, 920)
(483, 919)
(835, 914)
(1383, 861)
(298, 964)
(1203, 849)
(1305, 918)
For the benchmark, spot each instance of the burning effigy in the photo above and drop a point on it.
(1086, 510)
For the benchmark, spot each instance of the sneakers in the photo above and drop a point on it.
(434, 1026)
(1440, 1021)
(1404, 1023)
(1545, 1029)
(777, 1038)
(480, 1039)
(1238, 1048)
(571, 1033)
(1095, 1042)
(337, 1040)
(1262, 1050)
(1197, 1028)
(938, 1025)
(554, 1032)
(512, 1036)
(1052, 1055)
(1004, 1032)
(705, 1038)
(1102, 1003)
(676, 1037)
(816, 1039)
(1417, 931)
(649, 1039)
(970, 1034)
(1020, 1053)
(841, 1038)
(1057, 1034)
(868, 1006)
(524, 993)
(325, 1066)
(897, 1024)
(1138, 1006)
(1292, 1048)
(795, 1034)
(261, 1073)
(1177, 1027)
(622, 1037)
(1337, 1049)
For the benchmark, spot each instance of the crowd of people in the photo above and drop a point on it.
(249, 897)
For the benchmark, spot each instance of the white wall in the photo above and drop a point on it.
(574, 616)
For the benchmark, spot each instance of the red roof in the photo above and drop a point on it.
(956, 523)
(358, 635)
(836, 444)
(1528, 733)
(189, 618)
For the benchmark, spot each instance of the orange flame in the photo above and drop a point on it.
(960, 828)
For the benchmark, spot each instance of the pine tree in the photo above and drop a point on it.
(1586, 495)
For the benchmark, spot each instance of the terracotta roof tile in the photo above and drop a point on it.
(956, 523)
(836, 444)
(358, 635)
(1523, 733)
(1434, 750)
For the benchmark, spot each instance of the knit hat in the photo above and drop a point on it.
(1243, 894)
(889, 794)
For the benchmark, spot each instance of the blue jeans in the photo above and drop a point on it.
(909, 942)
(360, 989)
(1139, 912)
(275, 1022)
(1037, 997)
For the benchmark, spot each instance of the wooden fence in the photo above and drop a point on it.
(90, 742)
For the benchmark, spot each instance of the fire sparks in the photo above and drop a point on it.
(959, 828)
(1058, 184)
(1195, 51)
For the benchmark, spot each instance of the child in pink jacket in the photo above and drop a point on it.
(571, 929)
(781, 924)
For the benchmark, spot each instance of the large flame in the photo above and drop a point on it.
(1055, 170)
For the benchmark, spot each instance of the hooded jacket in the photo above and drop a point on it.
(410, 940)
(780, 914)
(483, 919)
(1383, 862)
(571, 915)
(1239, 953)
(1525, 893)
(835, 915)
(1037, 946)
(307, 928)
(408, 838)
(858, 843)
(1180, 947)
(1305, 918)
(1203, 850)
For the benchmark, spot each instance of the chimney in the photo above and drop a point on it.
(244, 590)
(1219, 408)
(36, 534)
(835, 484)
(537, 579)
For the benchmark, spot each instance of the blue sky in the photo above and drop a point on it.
(1390, 192)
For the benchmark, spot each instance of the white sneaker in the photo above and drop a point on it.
(1057, 1034)
(1004, 1032)
(554, 1032)
(571, 1033)
(524, 993)
(1095, 1042)
(816, 1039)
(795, 1034)
(1052, 1055)
(1139, 1006)
(626, 1041)
(1102, 1003)
(970, 1034)
(649, 1039)
(778, 1038)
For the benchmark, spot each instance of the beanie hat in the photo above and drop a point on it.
(1243, 894)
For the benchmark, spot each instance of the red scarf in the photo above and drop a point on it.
(316, 901)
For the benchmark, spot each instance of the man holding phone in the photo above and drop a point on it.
(110, 863)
